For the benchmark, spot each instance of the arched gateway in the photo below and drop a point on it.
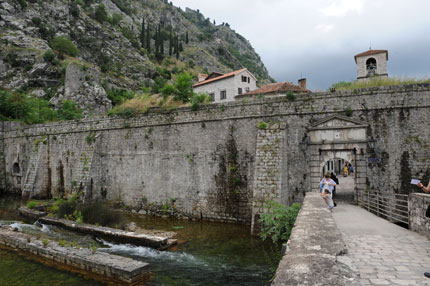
(338, 137)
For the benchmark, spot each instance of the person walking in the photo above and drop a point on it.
(336, 180)
(326, 190)
(345, 170)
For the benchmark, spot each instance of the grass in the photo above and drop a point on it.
(376, 82)
(31, 204)
(141, 103)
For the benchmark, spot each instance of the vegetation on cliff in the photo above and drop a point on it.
(117, 44)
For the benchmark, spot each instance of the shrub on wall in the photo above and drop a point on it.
(348, 111)
(262, 125)
(291, 96)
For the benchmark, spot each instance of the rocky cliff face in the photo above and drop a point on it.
(111, 54)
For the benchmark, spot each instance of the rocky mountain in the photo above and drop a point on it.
(111, 52)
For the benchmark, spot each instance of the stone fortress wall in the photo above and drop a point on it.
(218, 162)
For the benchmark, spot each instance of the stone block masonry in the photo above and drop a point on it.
(202, 164)
(418, 221)
(268, 168)
(100, 266)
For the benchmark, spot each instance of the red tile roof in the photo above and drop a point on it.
(371, 52)
(219, 77)
(279, 87)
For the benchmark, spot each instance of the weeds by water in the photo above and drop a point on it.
(278, 221)
(96, 213)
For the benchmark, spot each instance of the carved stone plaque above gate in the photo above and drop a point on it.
(337, 129)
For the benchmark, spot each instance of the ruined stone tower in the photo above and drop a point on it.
(372, 63)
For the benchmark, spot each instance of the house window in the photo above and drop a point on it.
(244, 78)
(239, 90)
(223, 94)
(249, 79)
(212, 96)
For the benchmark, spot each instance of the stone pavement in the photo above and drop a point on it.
(382, 252)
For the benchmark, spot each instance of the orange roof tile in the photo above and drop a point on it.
(278, 88)
(371, 52)
(219, 77)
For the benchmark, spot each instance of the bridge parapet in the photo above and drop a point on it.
(312, 256)
(418, 221)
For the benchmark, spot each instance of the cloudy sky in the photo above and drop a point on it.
(319, 38)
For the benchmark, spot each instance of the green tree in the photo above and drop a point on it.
(170, 42)
(69, 111)
(148, 39)
(184, 90)
(22, 107)
(177, 47)
(101, 14)
(73, 9)
(115, 19)
(63, 45)
(142, 34)
(186, 38)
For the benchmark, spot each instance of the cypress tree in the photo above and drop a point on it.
(148, 39)
(170, 42)
(181, 47)
(142, 34)
(186, 38)
(177, 47)
(161, 45)
(156, 38)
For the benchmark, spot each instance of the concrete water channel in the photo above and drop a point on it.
(207, 254)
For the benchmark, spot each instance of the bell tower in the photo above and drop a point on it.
(372, 63)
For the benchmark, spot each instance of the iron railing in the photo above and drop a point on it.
(392, 207)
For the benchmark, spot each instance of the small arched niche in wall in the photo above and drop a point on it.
(16, 169)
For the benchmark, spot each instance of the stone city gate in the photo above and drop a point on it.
(338, 137)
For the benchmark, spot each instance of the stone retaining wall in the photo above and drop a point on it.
(313, 248)
(102, 266)
(418, 222)
(202, 164)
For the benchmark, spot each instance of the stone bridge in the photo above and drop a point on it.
(352, 246)
(223, 162)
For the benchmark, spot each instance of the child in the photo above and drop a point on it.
(327, 198)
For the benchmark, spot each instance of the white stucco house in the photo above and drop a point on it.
(224, 87)
(372, 63)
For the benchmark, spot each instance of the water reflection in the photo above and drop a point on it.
(208, 254)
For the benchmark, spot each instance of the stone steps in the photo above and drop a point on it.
(33, 167)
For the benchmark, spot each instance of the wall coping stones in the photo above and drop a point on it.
(313, 248)
(266, 107)
(101, 266)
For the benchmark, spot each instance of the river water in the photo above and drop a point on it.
(208, 254)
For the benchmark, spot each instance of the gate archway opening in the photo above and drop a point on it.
(343, 173)
(334, 141)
